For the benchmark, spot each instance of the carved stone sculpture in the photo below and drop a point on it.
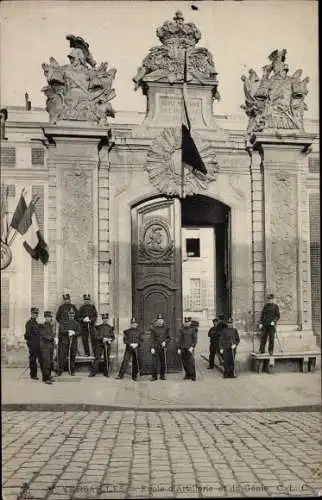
(80, 90)
(166, 62)
(276, 100)
(164, 165)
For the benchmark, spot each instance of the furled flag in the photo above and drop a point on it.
(190, 155)
(25, 221)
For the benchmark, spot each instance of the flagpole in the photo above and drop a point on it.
(33, 201)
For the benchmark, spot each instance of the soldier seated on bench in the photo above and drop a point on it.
(269, 317)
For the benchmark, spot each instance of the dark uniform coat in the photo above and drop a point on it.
(32, 337)
(47, 339)
(67, 344)
(62, 313)
(87, 329)
(131, 336)
(159, 334)
(270, 313)
(228, 337)
(101, 332)
(188, 338)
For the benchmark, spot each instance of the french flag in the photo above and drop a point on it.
(25, 221)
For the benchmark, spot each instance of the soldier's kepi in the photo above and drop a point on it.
(102, 339)
(160, 338)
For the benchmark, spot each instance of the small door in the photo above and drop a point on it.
(156, 273)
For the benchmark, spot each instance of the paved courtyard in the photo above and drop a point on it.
(143, 454)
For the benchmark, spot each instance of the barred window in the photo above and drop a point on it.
(37, 156)
(8, 157)
(314, 165)
(194, 294)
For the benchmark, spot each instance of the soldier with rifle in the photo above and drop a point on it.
(132, 338)
(47, 340)
(87, 316)
(269, 318)
(228, 342)
(187, 343)
(102, 338)
(160, 338)
(32, 337)
(67, 346)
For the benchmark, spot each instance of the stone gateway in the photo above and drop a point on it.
(142, 234)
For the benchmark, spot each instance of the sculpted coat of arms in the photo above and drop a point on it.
(167, 61)
(276, 100)
(80, 90)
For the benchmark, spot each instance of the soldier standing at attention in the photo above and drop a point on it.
(187, 343)
(64, 308)
(67, 347)
(47, 340)
(213, 335)
(132, 338)
(103, 337)
(228, 342)
(269, 317)
(87, 316)
(32, 337)
(160, 339)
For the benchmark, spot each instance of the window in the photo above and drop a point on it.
(193, 247)
(194, 294)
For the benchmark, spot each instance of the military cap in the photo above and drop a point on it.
(186, 319)
(48, 314)
(270, 296)
(86, 296)
(230, 320)
(71, 311)
(34, 310)
(215, 319)
(159, 316)
(66, 296)
(105, 316)
(133, 320)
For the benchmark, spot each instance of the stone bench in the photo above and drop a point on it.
(82, 360)
(306, 360)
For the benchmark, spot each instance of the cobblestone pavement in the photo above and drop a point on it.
(139, 454)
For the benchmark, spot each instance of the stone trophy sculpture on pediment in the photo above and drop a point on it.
(80, 90)
(276, 100)
(165, 63)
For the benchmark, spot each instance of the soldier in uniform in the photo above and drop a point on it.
(87, 316)
(132, 338)
(213, 335)
(187, 343)
(47, 340)
(32, 337)
(228, 342)
(269, 317)
(102, 338)
(64, 308)
(69, 330)
(160, 338)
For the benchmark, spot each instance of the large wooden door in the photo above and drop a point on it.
(156, 272)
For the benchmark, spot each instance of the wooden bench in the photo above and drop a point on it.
(307, 360)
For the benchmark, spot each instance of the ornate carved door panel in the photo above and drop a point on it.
(156, 272)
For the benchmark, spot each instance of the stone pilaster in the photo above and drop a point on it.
(287, 237)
